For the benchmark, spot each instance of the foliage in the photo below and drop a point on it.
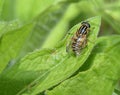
(33, 39)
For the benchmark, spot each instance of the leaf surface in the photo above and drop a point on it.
(11, 42)
(102, 75)
(43, 69)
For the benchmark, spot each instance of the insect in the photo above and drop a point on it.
(79, 39)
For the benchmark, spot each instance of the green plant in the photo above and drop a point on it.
(33, 39)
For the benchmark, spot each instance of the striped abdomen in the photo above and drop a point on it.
(78, 43)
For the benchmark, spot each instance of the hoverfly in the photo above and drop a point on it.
(79, 39)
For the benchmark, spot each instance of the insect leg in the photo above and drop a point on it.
(69, 33)
(67, 48)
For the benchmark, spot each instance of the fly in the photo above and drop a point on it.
(79, 39)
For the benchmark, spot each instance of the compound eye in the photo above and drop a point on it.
(83, 23)
(88, 25)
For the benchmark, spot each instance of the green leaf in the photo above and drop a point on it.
(65, 66)
(43, 69)
(11, 43)
(117, 88)
(116, 91)
(109, 13)
(44, 25)
(8, 26)
(33, 8)
(1, 5)
(28, 12)
(101, 77)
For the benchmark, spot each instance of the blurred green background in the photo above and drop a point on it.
(28, 25)
(59, 16)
